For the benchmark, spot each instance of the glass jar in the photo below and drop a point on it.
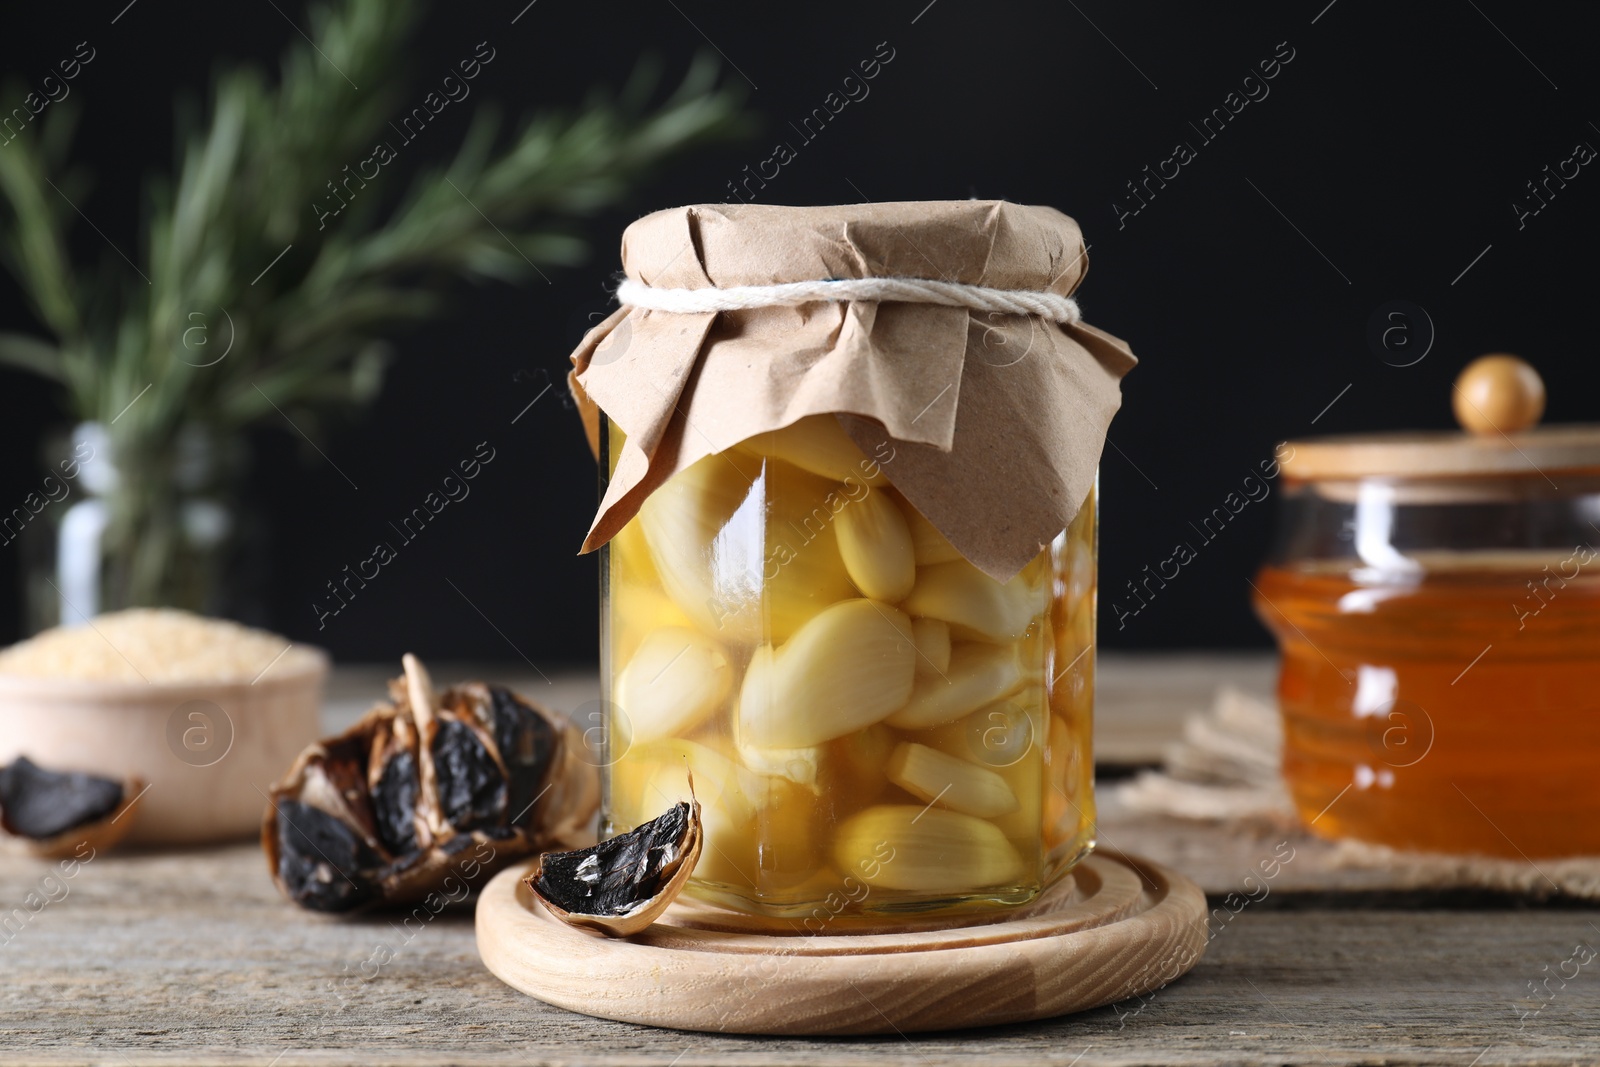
(154, 525)
(1437, 602)
(872, 725)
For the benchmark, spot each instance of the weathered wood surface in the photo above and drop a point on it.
(191, 957)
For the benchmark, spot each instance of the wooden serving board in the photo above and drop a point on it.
(1114, 927)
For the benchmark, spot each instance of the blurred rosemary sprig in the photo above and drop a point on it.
(306, 334)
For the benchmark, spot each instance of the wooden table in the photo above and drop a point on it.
(191, 957)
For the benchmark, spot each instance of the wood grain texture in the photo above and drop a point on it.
(190, 957)
(1564, 449)
(1113, 929)
(178, 958)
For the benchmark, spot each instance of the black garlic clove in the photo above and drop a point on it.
(472, 787)
(427, 792)
(621, 886)
(54, 813)
(394, 803)
(528, 744)
(321, 861)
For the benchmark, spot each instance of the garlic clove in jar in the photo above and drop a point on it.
(876, 547)
(926, 850)
(703, 527)
(675, 680)
(978, 674)
(638, 610)
(932, 639)
(848, 667)
(803, 570)
(797, 765)
(975, 605)
(748, 547)
(817, 443)
(949, 782)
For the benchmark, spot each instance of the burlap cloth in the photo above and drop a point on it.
(1224, 772)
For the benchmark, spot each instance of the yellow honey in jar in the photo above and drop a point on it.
(1435, 597)
(1448, 710)
(872, 724)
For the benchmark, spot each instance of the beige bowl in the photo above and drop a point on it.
(209, 751)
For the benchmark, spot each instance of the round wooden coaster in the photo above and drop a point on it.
(1116, 926)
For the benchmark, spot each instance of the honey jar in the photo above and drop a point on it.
(857, 626)
(1436, 598)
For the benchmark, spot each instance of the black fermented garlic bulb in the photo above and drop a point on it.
(430, 786)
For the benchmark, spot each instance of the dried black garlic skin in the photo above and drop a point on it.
(618, 876)
(322, 863)
(41, 804)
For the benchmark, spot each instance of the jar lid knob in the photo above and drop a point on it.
(1498, 393)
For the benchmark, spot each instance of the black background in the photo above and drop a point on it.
(1386, 157)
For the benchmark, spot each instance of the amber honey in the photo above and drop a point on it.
(1453, 709)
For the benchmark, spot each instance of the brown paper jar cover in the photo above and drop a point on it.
(995, 421)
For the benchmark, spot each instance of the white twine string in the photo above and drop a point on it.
(1052, 306)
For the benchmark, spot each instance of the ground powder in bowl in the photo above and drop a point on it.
(157, 645)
